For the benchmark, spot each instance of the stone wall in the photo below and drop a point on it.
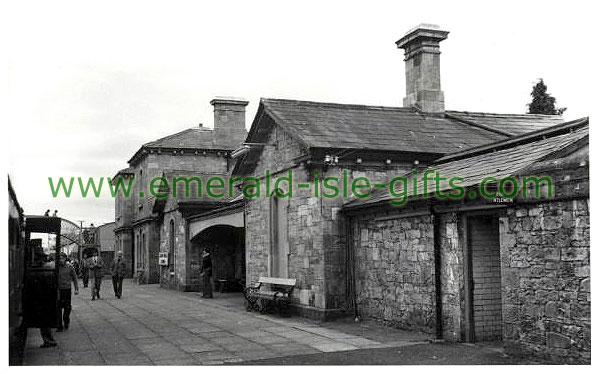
(317, 232)
(123, 205)
(149, 244)
(123, 231)
(173, 275)
(153, 166)
(305, 260)
(452, 277)
(545, 255)
(395, 270)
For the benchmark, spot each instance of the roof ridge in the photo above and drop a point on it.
(410, 109)
(342, 105)
(491, 114)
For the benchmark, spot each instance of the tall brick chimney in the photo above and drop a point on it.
(422, 63)
(230, 121)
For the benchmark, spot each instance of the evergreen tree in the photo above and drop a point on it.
(542, 102)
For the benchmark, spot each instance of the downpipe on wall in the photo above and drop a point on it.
(437, 254)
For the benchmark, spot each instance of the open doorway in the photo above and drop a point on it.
(226, 244)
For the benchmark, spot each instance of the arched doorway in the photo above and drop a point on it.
(226, 244)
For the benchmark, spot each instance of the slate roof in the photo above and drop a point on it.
(496, 160)
(194, 138)
(515, 124)
(191, 138)
(330, 125)
(126, 171)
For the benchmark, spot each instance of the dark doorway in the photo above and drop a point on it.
(226, 245)
(485, 287)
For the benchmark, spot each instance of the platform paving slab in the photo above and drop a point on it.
(151, 325)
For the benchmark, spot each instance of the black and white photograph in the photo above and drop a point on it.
(268, 184)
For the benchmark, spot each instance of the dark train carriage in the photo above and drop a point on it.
(16, 271)
(33, 274)
(41, 273)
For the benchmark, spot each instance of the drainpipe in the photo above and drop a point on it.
(350, 267)
(439, 328)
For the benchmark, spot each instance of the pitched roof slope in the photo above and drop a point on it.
(496, 162)
(194, 138)
(515, 124)
(190, 138)
(329, 125)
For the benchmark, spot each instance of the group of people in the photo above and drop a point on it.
(47, 213)
(67, 275)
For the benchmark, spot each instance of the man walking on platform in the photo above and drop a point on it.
(85, 271)
(96, 265)
(118, 272)
(66, 275)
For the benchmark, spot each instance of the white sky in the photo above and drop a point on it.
(90, 82)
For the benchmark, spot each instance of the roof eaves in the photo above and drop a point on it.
(371, 202)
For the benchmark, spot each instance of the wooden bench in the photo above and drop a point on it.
(270, 294)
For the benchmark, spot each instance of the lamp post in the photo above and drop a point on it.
(79, 254)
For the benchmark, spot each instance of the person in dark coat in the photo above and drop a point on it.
(117, 271)
(85, 271)
(75, 265)
(66, 276)
(206, 274)
(96, 265)
(46, 332)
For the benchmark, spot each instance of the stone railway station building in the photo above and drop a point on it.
(147, 226)
(463, 269)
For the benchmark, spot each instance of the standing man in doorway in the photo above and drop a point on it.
(117, 270)
(206, 274)
(66, 275)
